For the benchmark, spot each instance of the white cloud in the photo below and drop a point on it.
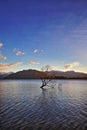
(1, 45)
(35, 51)
(71, 65)
(18, 52)
(33, 63)
(3, 57)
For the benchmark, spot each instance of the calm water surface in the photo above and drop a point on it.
(25, 106)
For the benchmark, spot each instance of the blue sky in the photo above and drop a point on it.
(35, 33)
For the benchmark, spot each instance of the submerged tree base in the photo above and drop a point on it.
(42, 86)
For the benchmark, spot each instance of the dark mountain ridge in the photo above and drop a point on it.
(35, 74)
(3, 75)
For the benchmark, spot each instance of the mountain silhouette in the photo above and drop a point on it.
(35, 74)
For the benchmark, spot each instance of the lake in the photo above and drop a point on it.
(25, 106)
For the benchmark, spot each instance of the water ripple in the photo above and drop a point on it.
(24, 106)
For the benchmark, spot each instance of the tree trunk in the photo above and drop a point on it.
(42, 86)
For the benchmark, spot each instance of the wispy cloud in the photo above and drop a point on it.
(71, 65)
(56, 68)
(2, 66)
(33, 63)
(81, 52)
(42, 50)
(18, 52)
(9, 67)
(35, 51)
(15, 64)
(2, 56)
(1, 45)
(15, 49)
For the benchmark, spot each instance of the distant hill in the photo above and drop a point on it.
(35, 74)
(3, 75)
(25, 74)
(68, 74)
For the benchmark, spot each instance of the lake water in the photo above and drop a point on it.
(25, 106)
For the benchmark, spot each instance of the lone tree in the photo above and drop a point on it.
(46, 77)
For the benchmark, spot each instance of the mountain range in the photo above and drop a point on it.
(35, 74)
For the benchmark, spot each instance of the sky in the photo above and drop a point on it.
(35, 33)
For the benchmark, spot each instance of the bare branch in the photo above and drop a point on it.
(46, 78)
